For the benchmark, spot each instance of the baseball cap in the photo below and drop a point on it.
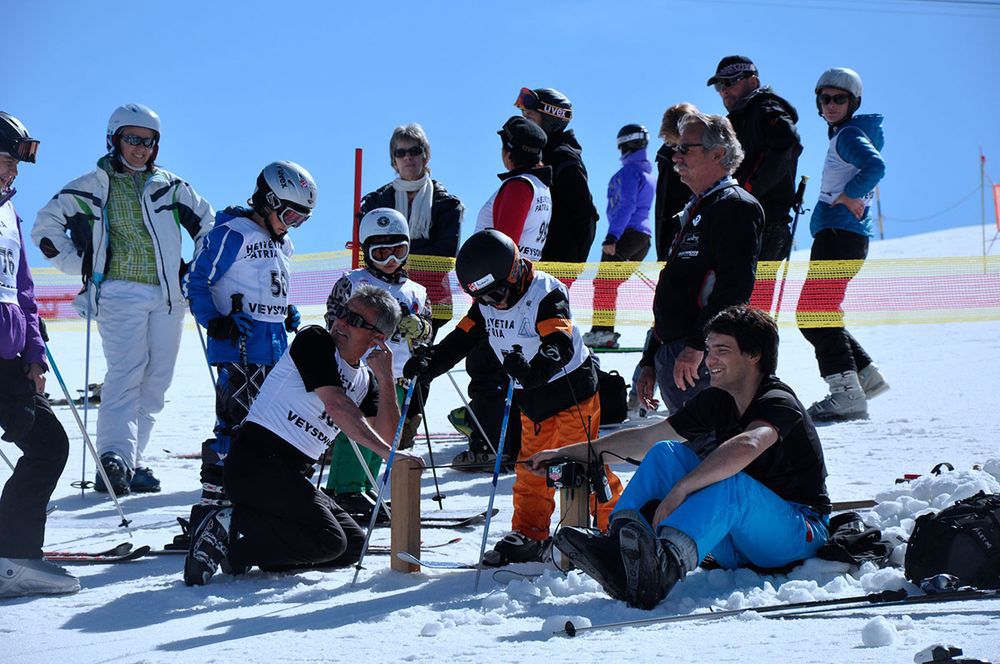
(733, 66)
(520, 134)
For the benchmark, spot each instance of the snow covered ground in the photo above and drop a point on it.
(942, 407)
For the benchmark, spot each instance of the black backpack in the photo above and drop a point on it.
(962, 540)
(614, 397)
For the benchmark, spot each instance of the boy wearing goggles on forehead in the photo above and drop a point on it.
(119, 227)
(238, 290)
(525, 316)
(385, 242)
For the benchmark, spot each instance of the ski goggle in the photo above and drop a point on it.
(381, 254)
(356, 320)
(494, 296)
(289, 213)
(22, 150)
(144, 141)
(528, 99)
(839, 99)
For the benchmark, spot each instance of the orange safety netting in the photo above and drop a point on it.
(882, 291)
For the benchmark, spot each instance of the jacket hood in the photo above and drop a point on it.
(639, 158)
(871, 125)
(560, 138)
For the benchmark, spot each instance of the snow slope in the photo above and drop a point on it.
(942, 407)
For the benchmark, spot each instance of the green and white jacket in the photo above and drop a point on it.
(72, 229)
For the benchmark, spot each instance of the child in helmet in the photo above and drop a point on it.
(525, 315)
(385, 242)
(238, 289)
(119, 226)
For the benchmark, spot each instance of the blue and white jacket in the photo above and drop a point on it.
(239, 256)
(630, 196)
(854, 166)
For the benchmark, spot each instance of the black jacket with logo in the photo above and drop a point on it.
(671, 197)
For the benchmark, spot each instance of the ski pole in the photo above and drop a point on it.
(7, 461)
(86, 439)
(237, 299)
(385, 478)
(204, 350)
(86, 395)
(468, 409)
(800, 194)
(496, 475)
(368, 472)
(438, 497)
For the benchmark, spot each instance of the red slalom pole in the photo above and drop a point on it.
(355, 242)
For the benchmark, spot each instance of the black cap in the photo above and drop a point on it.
(733, 66)
(520, 134)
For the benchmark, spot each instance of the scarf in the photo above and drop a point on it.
(419, 215)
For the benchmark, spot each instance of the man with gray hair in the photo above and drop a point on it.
(711, 264)
(279, 521)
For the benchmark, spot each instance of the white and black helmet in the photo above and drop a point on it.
(632, 137)
(286, 188)
(15, 139)
(133, 115)
(844, 79)
(385, 237)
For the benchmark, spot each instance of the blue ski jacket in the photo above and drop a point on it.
(630, 196)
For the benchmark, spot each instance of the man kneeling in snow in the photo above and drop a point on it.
(279, 521)
(737, 472)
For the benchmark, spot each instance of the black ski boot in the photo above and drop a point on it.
(209, 546)
(359, 506)
(651, 570)
(517, 547)
(597, 554)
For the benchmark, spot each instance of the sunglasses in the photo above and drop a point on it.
(684, 148)
(356, 320)
(145, 142)
(383, 253)
(839, 100)
(415, 151)
(727, 83)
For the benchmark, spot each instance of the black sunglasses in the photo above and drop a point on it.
(684, 148)
(132, 139)
(415, 151)
(354, 319)
(724, 83)
(839, 100)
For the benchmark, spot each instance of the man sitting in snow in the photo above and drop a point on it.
(279, 521)
(737, 472)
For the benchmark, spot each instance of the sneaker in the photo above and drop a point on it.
(118, 474)
(480, 462)
(846, 400)
(651, 571)
(601, 339)
(459, 419)
(34, 576)
(517, 547)
(209, 546)
(597, 554)
(144, 481)
(359, 506)
(872, 382)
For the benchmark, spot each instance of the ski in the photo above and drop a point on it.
(94, 396)
(97, 559)
(119, 550)
(620, 349)
(453, 518)
(505, 576)
(385, 550)
(885, 598)
(434, 564)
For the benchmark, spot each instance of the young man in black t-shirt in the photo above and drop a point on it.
(321, 386)
(746, 484)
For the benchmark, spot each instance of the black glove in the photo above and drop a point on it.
(232, 327)
(517, 367)
(538, 371)
(418, 364)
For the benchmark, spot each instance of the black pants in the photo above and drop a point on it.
(775, 242)
(281, 522)
(487, 393)
(26, 494)
(836, 349)
(235, 389)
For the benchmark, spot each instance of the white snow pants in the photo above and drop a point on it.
(141, 338)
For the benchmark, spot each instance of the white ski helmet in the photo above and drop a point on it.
(385, 230)
(133, 115)
(286, 188)
(844, 79)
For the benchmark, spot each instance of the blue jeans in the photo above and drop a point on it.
(674, 398)
(737, 520)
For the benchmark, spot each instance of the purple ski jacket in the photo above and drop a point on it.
(19, 332)
(630, 196)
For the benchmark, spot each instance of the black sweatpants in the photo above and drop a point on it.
(281, 522)
(26, 494)
(836, 349)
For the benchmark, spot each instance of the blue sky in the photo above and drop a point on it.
(238, 85)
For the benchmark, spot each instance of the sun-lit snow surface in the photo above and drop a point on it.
(942, 407)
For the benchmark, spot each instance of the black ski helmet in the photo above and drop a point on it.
(15, 139)
(632, 137)
(489, 266)
(555, 107)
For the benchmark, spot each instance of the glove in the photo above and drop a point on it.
(419, 363)
(413, 328)
(293, 319)
(517, 367)
(235, 325)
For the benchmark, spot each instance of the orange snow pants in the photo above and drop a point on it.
(533, 501)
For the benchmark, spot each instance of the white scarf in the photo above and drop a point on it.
(419, 215)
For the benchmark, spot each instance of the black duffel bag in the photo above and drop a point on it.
(614, 397)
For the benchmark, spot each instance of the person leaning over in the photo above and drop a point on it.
(119, 227)
(712, 261)
(738, 472)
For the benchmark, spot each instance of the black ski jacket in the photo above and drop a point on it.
(574, 217)
(446, 219)
(671, 197)
(765, 126)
